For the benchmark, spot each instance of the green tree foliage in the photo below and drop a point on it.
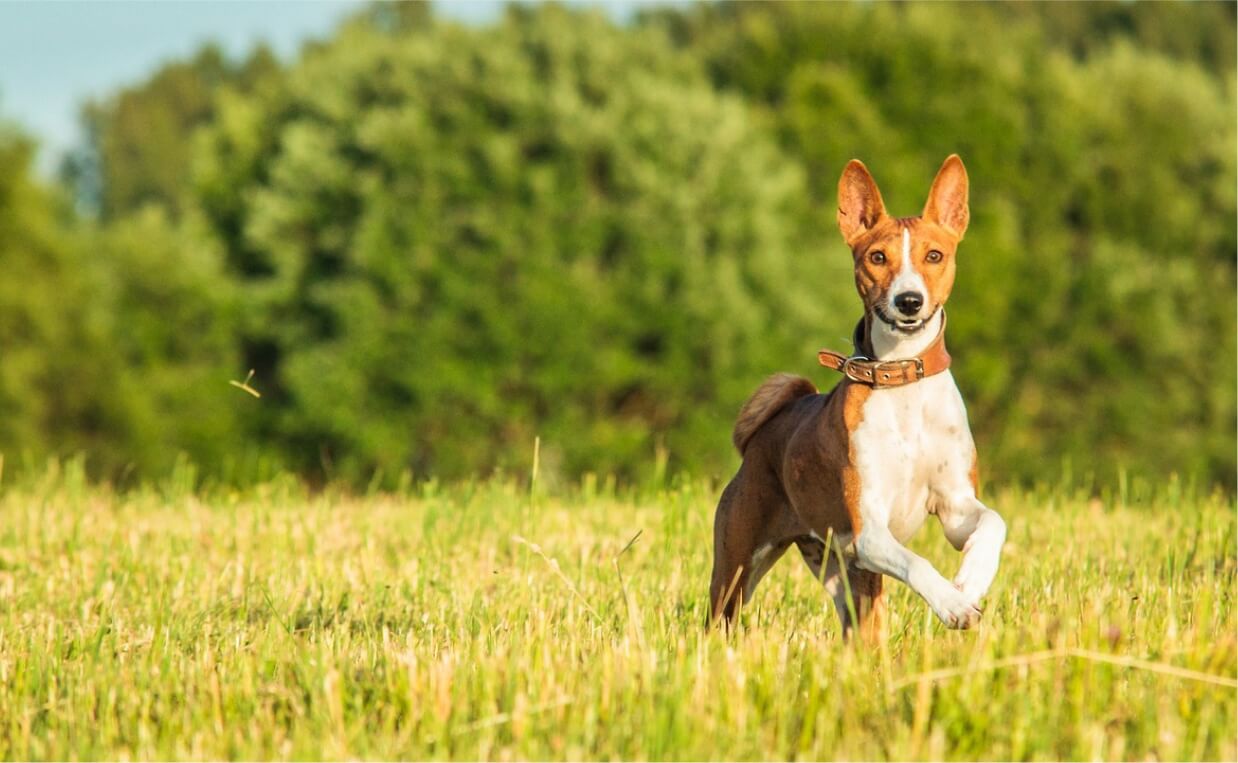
(138, 141)
(167, 309)
(434, 242)
(459, 239)
(1094, 313)
(1200, 33)
(45, 314)
(116, 340)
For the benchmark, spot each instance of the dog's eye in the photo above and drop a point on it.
(877, 258)
(933, 256)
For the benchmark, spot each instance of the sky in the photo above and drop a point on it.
(56, 55)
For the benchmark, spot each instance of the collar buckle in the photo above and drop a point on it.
(895, 373)
(855, 370)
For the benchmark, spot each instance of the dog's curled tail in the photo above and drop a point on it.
(770, 397)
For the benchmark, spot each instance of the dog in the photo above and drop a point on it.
(850, 475)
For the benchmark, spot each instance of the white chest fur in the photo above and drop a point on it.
(912, 447)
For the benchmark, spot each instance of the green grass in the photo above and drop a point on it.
(278, 624)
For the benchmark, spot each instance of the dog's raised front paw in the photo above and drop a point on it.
(956, 608)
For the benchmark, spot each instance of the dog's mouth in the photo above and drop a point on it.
(901, 325)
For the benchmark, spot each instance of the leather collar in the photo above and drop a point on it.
(863, 369)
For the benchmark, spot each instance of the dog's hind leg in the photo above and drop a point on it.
(860, 593)
(812, 549)
(748, 540)
(860, 603)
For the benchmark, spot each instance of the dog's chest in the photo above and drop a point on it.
(912, 445)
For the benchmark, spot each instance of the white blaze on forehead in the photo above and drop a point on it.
(908, 278)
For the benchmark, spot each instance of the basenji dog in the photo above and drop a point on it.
(862, 466)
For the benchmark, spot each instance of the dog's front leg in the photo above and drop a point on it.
(979, 533)
(878, 551)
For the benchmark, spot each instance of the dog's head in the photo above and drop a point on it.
(904, 266)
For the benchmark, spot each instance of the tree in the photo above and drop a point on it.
(139, 140)
(118, 340)
(167, 311)
(45, 300)
(459, 239)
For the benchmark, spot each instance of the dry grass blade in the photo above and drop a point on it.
(636, 624)
(1154, 667)
(631, 543)
(554, 565)
(730, 591)
(245, 384)
(1058, 654)
(499, 719)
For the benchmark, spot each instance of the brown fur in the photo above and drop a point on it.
(798, 481)
(770, 397)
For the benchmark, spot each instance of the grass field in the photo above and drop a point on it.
(481, 621)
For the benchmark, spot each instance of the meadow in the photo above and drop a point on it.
(490, 620)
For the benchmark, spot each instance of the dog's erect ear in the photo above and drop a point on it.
(859, 202)
(947, 201)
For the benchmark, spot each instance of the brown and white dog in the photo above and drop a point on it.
(867, 462)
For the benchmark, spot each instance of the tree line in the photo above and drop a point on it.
(436, 242)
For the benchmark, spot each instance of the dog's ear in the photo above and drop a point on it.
(947, 201)
(859, 202)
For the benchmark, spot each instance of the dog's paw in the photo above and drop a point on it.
(956, 608)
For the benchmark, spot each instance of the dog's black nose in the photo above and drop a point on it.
(909, 302)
